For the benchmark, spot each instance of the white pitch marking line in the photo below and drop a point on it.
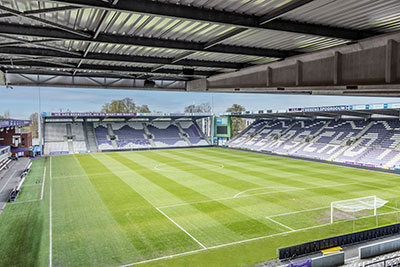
(241, 241)
(299, 211)
(259, 188)
(281, 224)
(164, 257)
(44, 181)
(180, 227)
(50, 222)
(266, 193)
(41, 194)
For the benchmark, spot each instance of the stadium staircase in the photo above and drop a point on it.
(363, 131)
(298, 148)
(182, 133)
(315, 135)
(286, 130)
(148, 133)
(366, 154)
(201, 132)
(111, 133)
(392, 161)
(85, 135)
(90, 136)
(70, 143)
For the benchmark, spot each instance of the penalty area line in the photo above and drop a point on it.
(281, 224)
(44, 181)
(243, 241)
(180, 227)
(41, 193)
(226, 245)
(253, 195)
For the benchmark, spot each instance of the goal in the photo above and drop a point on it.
(357, 204)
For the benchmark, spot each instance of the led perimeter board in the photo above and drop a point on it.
(222, 127)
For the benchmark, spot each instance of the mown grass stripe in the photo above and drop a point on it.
(149, 231)
(208, 174)
(230, 218)
(333, 193)
(311, 171)
(269, 176)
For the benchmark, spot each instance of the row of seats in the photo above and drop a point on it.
(64, 138)
(5, 163)
(374, 142)
(133, 135)
(57, 135)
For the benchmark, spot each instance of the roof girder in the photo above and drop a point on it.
(28, 63)
(223, 17)
(38, 52)
(52, 33)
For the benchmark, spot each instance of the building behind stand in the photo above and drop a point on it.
(14, 141)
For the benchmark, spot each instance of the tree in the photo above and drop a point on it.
(238, 124)
(125, 105)
(6, 115)
(34, 127)
(202, 108)
(144, 109)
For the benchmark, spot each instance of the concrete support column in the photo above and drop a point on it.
(269, 76)
(337, 68)
(391, 61)
(299, 72)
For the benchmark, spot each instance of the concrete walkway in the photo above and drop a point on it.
(9, 179)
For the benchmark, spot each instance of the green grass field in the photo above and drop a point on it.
(203, 207)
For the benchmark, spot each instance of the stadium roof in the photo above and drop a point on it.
(359, 111)
(5, 123)
(164, 43)
(56, 116)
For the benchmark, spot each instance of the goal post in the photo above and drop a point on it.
(357, 204)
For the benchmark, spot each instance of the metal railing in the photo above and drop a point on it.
(385, 262)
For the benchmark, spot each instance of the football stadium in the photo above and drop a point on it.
(279, 165)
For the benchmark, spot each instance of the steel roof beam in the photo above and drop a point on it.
(41, 11)
(222, 17)
(236, 31)
(101, 57)
(29, 71)
(95, 67)
(44, 21)
(96, 33)
(275, 13)
(36, 43)
(52, 33)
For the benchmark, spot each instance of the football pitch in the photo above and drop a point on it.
(183, 207)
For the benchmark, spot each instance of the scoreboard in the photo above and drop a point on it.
(222, 127)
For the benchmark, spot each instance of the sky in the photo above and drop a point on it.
(22, 101)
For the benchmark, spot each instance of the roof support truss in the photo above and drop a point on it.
(222, 17)
(52, 33)
(115, 58)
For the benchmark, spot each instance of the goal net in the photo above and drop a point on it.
(357, 204)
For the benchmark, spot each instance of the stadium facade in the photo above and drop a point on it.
(69, 133)
(367, 135)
